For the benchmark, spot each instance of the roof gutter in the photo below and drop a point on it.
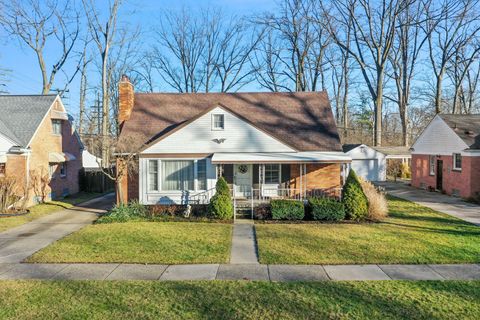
(18, 150)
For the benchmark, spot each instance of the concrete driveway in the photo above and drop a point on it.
(450, 205)
(18, 243)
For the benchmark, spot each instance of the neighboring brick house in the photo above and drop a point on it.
(446, 156)
(37, 137)
(266, 145)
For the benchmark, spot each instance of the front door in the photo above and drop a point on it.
(440, 175)
(243, 174)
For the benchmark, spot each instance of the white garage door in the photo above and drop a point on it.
(366, 168)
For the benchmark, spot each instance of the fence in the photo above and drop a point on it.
(95, 181)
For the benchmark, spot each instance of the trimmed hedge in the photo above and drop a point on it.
(326, 209)
(355, 201)
(287, 209)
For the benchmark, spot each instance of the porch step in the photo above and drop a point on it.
(243, 213)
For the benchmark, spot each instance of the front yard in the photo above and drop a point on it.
(143, 242)
(412, 234)
(239, 300)
(41, 210)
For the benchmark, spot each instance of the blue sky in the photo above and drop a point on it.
(25, 78)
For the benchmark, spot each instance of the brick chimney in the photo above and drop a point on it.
(125, 99)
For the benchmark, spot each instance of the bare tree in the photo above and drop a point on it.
(103, 35)
(298, 43)
(181, 36)
(35, 23)
(205, 52)
(458, 68)
(450, 28)
(405, 55)
(373, 31)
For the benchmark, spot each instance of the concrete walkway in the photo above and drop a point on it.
(244, 243)
(18, 243)
(238, 272)
(450, 205)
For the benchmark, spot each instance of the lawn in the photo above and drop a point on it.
(412, 234)
(239, 300)
(41, 210)
(143, 242)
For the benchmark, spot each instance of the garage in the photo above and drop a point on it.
(366, 168)
(367, 162)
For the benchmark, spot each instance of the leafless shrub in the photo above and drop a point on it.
(377, 202)
(8, 193)
(40, 180)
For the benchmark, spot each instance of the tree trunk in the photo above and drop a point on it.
(83, 92)
(378, 110)
(105, 110)
(438, 94)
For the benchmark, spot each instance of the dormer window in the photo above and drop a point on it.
(57, 126)
(218, 122)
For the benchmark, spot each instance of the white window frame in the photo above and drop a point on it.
(431, 165)
(214, 127)
(279, 174)
(158, 175)
(455, 162)
(54, 126)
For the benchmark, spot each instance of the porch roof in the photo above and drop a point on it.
(281, 157)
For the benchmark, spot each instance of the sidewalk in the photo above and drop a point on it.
(18, 243)
(244, 244)
(449, 205)
(238, 272)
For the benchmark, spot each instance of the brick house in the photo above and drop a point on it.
(37, 137)
(446, 156)
(266, 145)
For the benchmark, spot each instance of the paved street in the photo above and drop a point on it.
(20, 242)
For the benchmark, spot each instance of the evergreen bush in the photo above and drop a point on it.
(354, 199)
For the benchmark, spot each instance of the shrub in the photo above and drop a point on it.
(220, 207)
(377, 202)
(287, 209)
(355, 201)
(125, 212)
(326, 209)
(406, 173)
(165, 210)
(222, 187)
(263, 212)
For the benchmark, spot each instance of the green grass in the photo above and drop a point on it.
(41, 210)
(239, 300)
(143, 242)
(412, 234)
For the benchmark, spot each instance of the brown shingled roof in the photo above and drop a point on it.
(466, 126)
(303, 120)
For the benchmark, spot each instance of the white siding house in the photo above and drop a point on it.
(367, 162)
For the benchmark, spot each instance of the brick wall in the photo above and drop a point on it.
(129, 185)
(319, 176)
(464, 182)
(126, 99)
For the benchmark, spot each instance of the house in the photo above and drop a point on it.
(446, 155)
(264, 144)
(37, 139)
